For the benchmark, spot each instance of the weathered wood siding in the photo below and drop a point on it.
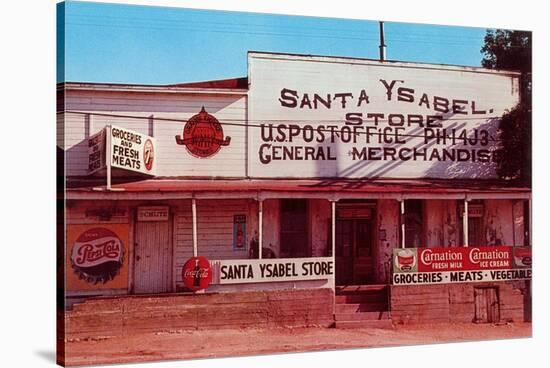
(388, 235)
(173, 159)
(272, 225)
(128, 315)
(503, 222)
(456, 303)
(319, 227)
(441, 223)
(215, 230)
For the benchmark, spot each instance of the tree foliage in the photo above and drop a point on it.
(511, 50)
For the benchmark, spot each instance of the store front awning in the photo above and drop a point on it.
(331, 189)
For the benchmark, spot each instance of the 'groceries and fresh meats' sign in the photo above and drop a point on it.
(465, 264)
(271, 270)
(336, 117)
(129, 150)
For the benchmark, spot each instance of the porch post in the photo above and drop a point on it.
(465, 222)
(108, 154)
(530, 240)
(333, 231)
(194, 210)
(260, 228)
(402, 203)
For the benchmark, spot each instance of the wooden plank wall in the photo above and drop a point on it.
(135, 314)
(455, 303)
(215, 230)
(173, 159)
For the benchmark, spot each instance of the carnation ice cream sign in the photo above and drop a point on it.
(464, 264)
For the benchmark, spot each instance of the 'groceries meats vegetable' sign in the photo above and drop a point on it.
(336, 117)
(466, 264)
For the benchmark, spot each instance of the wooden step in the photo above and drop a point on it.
(361, 298)
(363, 316)
(361, 288)
(381, 324)
(361, 307)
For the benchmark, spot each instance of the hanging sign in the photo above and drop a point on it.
(129, 150)
(132, 151)
(96, 152)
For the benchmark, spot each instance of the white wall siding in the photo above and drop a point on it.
(214, 228)
(146, 111)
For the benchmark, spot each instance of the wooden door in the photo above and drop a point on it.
(354, 261)
(487, 307)
(344, 252)
(363, 260)
(152, 257)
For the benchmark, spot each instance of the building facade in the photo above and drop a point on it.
(333, 167)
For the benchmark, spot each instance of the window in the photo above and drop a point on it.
(294, 229)
(414, 223)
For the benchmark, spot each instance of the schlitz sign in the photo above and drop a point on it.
(375, 120)
(271, 270)
(203, 135)
(464, 264)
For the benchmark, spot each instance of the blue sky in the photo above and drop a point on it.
(160, 45)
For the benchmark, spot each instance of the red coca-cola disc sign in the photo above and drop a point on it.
(197, 273)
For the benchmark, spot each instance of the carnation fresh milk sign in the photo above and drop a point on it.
(466, 264)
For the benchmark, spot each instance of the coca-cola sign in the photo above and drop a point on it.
(97, 255)
(197, 273)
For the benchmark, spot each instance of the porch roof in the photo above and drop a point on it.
(332, 189)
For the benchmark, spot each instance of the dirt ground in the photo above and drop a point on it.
(220, 343)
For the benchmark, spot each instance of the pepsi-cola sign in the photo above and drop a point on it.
(97, 255)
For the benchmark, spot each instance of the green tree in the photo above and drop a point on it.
(511, 50)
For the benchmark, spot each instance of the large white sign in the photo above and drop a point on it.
(338, 117)
(271, 270)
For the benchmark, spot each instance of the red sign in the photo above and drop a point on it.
(461, 258)
(469, 258)
(196, 273)
(97, 255)
(203, 135)
(148, 154)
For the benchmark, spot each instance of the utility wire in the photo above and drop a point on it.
(245, 124)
